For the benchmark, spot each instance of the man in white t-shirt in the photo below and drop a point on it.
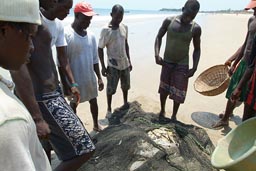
(20, 148)
(83, 59)
(114, 37)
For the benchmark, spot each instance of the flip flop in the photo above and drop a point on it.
(220, 124)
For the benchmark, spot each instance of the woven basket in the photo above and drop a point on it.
(212, 81)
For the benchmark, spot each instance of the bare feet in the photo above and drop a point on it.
(162, 114)
(125, 106)
(97, 129)
(108, 114)
(220, 124)
(222, 115)
(174, 118)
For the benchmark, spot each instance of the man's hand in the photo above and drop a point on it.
(228, 63)
(101, 84)
(159, 60)
(42, 128)
(104, 71)
(235, 95)
(231, 70)
(130, 67)
(191, 72)
(76, 93)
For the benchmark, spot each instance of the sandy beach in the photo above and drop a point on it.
(222, 35)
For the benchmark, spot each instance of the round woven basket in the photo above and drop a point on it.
(212, 81)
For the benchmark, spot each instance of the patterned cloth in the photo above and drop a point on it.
(251, 97)
(236, 77)
(174, 81)
(68, 136)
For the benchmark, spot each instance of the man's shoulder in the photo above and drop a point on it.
(196, 29)
(90, 34)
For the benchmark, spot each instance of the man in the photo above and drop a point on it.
(114, 36)
(181, 30)
(250, 74)
(83, 59)
(56, 29)
(19, 146)
(238, 68)
(68, 137)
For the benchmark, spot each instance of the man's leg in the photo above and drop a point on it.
(230, 106)
(109, 101)
(176, 106)
(125, 97)
(125, 86)
(94, 112)
(163, 97)
(248, 112)
(75, 163)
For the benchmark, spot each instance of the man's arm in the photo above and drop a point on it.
(97, 72)
(158, 40)
(197, 49)
(25, 92)
(242, 49)
(234, 56)
(101, 56)
(127, 49)
(65, 67)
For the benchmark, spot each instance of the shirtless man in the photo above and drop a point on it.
(181, 30)
(240, 62)
(68, 137)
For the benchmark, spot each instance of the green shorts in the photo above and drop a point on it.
(113, 77)
(236, 77)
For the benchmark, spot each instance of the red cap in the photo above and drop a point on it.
(85, 8)
(251, 5)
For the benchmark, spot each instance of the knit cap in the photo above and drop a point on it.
(26, 11)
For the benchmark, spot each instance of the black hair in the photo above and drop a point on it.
(117, 8)
(192, 5)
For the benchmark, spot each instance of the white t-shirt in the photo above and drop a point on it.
(56, 30)
(20, 148)
(82, 54)
(114, 40)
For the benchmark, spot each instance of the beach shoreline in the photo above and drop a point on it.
(222, 35)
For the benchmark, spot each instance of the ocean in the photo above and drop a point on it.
(143, 26)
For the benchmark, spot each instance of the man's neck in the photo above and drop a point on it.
(47, 14)
(79, 30)
(113, 26)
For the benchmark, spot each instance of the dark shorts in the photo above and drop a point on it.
(174, 82)
(236, 77)
(251, 96)
(113, 78)
(68, 136)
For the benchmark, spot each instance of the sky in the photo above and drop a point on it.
(206, 5)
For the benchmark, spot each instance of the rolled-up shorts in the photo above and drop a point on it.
(113, 77)
(68, 136)
(174, 81)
